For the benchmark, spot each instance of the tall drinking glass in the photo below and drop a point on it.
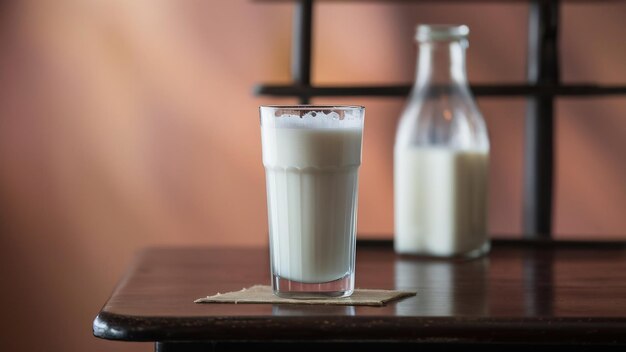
(312, 156)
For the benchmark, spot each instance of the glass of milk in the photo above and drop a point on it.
(312, 156)
(441, 154)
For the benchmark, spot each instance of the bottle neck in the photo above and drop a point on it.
(441, 63)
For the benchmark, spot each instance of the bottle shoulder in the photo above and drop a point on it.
(442, 117)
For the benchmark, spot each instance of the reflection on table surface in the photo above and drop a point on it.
(305, 310)
(444, 287)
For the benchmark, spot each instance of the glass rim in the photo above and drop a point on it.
(305, 107)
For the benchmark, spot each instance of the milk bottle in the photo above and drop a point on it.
(441, 155)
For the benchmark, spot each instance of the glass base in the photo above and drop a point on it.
(300, 290)
(472, 254)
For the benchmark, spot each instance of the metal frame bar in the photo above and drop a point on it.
(543, 68)
(301, 47)
(481, 90)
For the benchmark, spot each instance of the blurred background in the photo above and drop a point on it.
(125, 124)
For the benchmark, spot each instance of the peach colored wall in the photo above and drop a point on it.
(131, 123)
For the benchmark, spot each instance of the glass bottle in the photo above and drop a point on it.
(441, 154)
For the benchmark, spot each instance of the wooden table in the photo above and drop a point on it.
(550, 295)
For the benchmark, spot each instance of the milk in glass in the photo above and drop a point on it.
(311, 165)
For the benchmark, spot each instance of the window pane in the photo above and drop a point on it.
(592, 42)
(591, 168)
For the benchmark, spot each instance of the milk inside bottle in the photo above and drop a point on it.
(441, 200)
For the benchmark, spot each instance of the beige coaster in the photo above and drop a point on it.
(264, 294)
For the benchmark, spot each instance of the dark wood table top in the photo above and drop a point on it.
(540, 292)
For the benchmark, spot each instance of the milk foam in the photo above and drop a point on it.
(315, 119)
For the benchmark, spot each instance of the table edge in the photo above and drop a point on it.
(563, 330)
